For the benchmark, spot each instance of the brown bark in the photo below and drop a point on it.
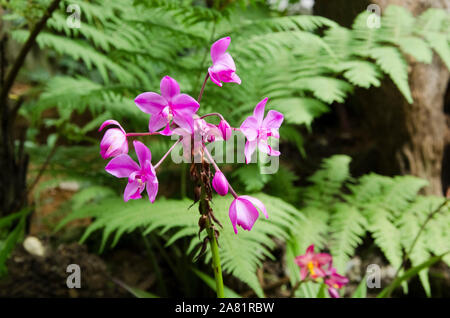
(410, 137)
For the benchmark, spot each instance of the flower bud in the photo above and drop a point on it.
(225, 129)
(220, 183)
(114, 141)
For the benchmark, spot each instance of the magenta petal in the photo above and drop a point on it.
(142, 152)
(235, 78)
(258, 112)
(250, 128)
(247, 214)
(232, 213)
(303, 272)
(310, 249)
(263, 146)
(273, 120)
(185, 103)
(333, 292)
(111, 122)
(157, 121)
(169, 88)
(250, 147)
(323, 258)
(152, 189)
(220, 183)
(256, 202)
(150, 103)
(225, 62)
(214, 78)
(132, 191)
(184, 120)
(121, 166)
(219, 48)
(225, 129)
(113, 143)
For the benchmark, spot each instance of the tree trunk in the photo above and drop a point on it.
(410, 138)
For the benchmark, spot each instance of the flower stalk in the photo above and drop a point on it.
(217, 268)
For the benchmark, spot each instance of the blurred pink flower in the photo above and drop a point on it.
(257, 129)
(170, 105)
(220, 183)
(334, 281)
(244, 212)
(313, 263)
(223, 68)
(114, 141)
(139, 176)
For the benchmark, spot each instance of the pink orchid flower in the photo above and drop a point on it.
(334, 281)
(223, 68)
(170, 105)
(312, 262)
(114, 141)
(257, 129)
(244, 212)
(139, 176)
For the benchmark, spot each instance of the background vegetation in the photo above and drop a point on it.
(307, 65)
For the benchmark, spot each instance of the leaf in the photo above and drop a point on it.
(386, 292)
(392, 62)
(11, 240)
(361, 290)
(136, 292)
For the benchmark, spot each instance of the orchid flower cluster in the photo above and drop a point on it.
(320, 265)
(175, 113)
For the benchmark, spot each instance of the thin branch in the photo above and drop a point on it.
(43, 168)
(10, 78)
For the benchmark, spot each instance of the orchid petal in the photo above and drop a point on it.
(214, 78)
(225, 62)
(185, 103)
(142, 152)
(250, 147)
(273, 120)
(323, 258)
(219, 48)
(232, 213)
(247, 214)
(169, 88)
(132, 191)
(152, 189)
(256, 202)
(258, 112)
(333, 292)
(303, 272)
(111, 122)
(150, 103)
(121, 166)
(184, 120)
(157, 121)
(250, 128)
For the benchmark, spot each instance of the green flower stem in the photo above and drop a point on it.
(216, 263)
